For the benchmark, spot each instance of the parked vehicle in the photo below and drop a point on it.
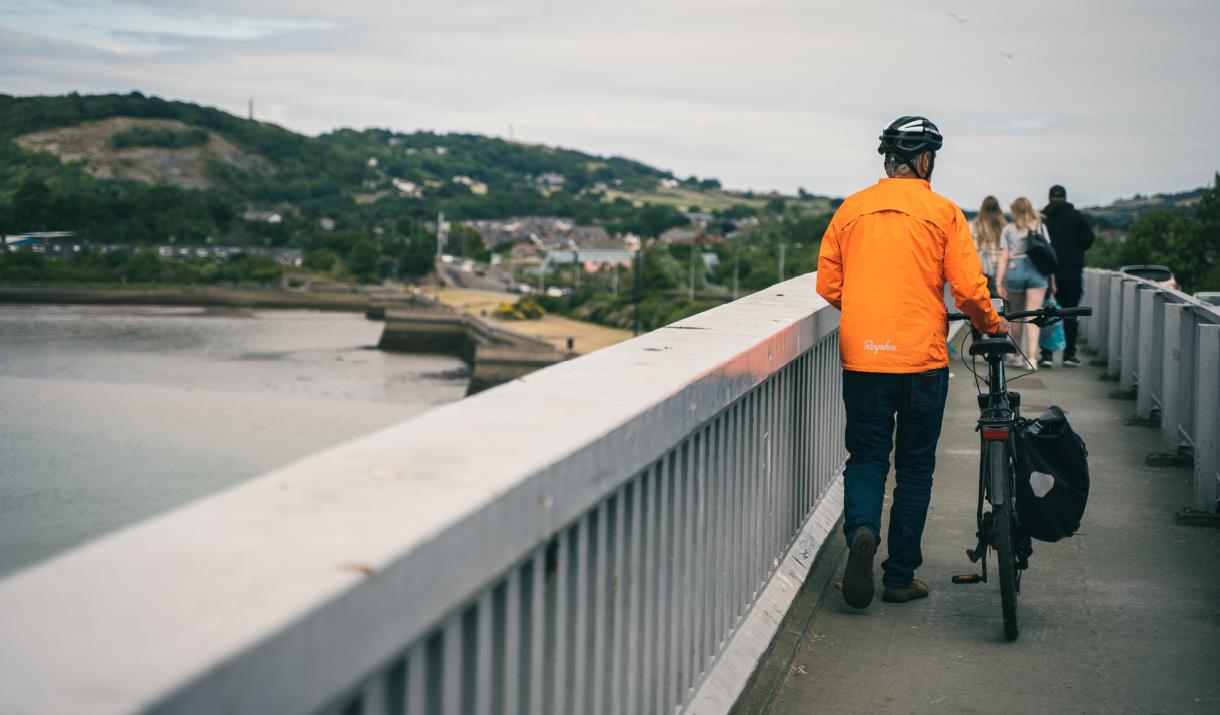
(1156, 273)
(1209, 296)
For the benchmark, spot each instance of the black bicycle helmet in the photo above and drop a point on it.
(908, 137)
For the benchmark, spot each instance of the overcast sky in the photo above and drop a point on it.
(1108, 98)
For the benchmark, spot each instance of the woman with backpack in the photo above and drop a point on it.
(1020, 281)
(985, 229)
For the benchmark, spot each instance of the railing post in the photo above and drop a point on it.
(1171, 376)
(1207, 418)
(1088, 328)
(1151, 311)
(1114, 331)
(1099, 324)
(1129, 360)
(1188, 378)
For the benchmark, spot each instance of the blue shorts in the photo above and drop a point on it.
(1022, 275)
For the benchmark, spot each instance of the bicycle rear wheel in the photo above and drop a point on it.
(1002, 526)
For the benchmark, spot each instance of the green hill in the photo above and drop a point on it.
(137, 169)
(1121, 212)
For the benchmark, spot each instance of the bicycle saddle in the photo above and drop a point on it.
(984, 346)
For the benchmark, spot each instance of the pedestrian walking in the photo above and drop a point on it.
(985, 230)
(1071, 236)
(884, 261)
(1020, 282)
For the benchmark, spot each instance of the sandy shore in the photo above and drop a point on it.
(185, 295)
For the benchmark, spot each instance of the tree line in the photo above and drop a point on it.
(674, 283)
(1186, 239)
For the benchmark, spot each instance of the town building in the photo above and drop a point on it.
(696, 233)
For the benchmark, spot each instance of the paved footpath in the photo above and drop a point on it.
(1123, 617)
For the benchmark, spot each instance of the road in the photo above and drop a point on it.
(452, 275)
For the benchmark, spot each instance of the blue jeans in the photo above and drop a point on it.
(872, 401)
(1022, 276)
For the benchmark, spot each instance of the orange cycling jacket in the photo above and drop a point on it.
(884, 261)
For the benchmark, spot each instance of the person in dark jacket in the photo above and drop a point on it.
(1071, 236)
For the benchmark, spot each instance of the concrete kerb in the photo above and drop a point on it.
(753, 638)
(776, 664)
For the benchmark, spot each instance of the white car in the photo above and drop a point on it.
(1154, 273)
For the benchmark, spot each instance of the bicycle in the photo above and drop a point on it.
(999, 425)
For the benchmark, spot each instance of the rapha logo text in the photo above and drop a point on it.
(874, 348)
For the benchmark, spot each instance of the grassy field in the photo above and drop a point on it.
(683, 198)
(554, 329)
(715, 200)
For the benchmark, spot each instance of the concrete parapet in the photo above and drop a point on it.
(382, 304)
(495, 355)
(495, 365)
(419, 331)
(427, 565)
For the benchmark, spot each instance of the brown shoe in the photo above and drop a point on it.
(858, 583)
(913, 590)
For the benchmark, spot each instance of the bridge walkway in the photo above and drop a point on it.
(1122, 617)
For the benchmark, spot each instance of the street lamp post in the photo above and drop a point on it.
(736, 271)
(636, 299)
(441, 234)
(690, 288)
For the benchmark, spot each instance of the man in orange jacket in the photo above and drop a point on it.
(884, 262)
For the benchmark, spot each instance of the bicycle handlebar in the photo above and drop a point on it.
(1048, 312)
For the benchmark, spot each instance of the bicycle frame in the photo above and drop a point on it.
(999, 419)
(999, 424)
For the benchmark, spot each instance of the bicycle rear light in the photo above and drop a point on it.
(995, 433)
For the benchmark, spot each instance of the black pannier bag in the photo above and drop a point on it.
(1052, 477)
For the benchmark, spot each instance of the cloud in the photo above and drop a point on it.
(135, 28)
(763, 94)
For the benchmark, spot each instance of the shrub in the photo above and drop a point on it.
(529, 308)
(165, 138)
(524, 309)
(507, 311)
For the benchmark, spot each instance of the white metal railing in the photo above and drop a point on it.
(621, 533)
(1164, 347)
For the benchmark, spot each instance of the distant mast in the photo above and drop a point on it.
(251, 110)
(442, 235)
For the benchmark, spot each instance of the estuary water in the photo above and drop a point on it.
(110, 414)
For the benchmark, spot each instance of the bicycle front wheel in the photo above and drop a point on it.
(1002, 524)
